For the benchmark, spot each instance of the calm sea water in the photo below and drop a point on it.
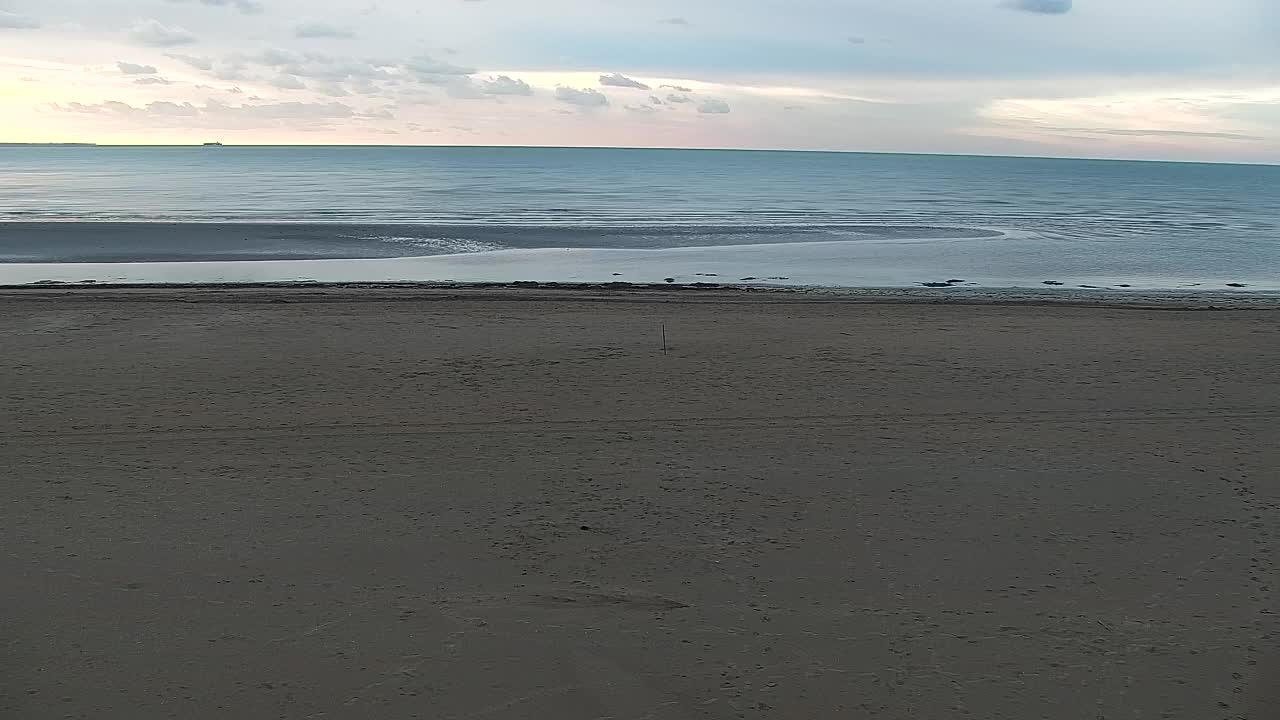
(913, 217)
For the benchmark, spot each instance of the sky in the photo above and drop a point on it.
(1144, 79)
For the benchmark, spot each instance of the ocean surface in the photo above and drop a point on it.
(476, 214)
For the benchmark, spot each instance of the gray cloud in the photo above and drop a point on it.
(622, 81)
(199, 63)
(275, 57)
(1043, 7)
(713, 106)
(132, 69)
(503, 85)
(677, 88)
(588, 97)
(316, 29)
(678, 99)
(641, 109)
(248, 7)
(857, 40)
(435, 72)
(674, 21)
(14, 21)
(157, 34)
(151, 80)
(654, 99)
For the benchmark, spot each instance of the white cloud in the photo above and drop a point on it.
(14, 21)
(713, 106)
(678, 99)
(503, 85)
(462, 88)
(332, 90)
(217, 114)
(588, 97)
(157, 34)
(677, 88)
(317, 29)
(674, 21)
(151, 80)
(199, 63)
(132, 69)
(622, 81)
(288, 82)
(233, 69)
(248, 7)
(1147, 117)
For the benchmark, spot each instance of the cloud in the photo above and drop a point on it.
(588, 97)
(462, 88)
(674, 21)
(14, 21)
(275, 57)
(622, 81)
(232, 69)
(199, 63)
(332, 90)
(713, 106)
(428, 70)
(503, 85)
(157, 34)
(131, 69)
(248, 7)
(151, 80)
(1042, 7)
(286, 81)
(677, 88)
(315, 29)
(217, 114)
(678, 99)
(641, 109)
(1120, 132)
(857, 40)
(656, 100)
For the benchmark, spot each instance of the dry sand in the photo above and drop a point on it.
(433, 504)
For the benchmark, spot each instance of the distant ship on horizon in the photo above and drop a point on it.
(213, 144)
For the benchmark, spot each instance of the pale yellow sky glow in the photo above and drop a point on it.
(968, 76)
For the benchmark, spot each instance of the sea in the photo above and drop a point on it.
(489, 214)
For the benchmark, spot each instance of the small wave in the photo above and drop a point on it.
(435, 245)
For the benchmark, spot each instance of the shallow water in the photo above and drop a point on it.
(879, 219)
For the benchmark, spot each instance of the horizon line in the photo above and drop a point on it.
(215, 146)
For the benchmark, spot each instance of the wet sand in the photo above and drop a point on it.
(302, 503)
